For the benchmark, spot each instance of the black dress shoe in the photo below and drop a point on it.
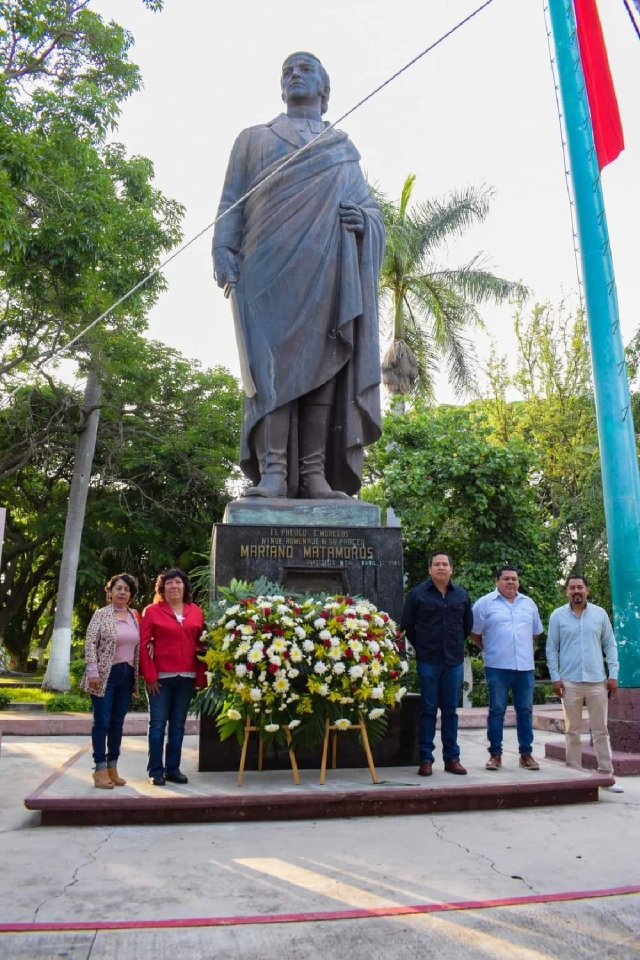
(157, 781)
(176, 777)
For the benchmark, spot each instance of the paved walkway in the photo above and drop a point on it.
(253, 871)
(42, 724)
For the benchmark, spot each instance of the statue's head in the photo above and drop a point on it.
(303, 76)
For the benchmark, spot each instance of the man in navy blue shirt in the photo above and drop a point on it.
(437, 619)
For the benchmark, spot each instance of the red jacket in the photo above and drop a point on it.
(175, 645)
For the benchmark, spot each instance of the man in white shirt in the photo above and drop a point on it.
(505, 623)
(579, 634)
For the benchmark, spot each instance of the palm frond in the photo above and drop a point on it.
(441, 316)
(439, 304)
(405, 196)
(403, 252)
(480, 285)
(428, 358)
(462, 367)
(448, 218)
(441, 309)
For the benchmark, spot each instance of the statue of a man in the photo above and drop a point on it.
(302, 257)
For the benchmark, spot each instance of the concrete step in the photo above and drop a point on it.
(27, 706)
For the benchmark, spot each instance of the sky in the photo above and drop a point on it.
(480, 109)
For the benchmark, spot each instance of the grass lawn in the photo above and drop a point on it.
(27, 694)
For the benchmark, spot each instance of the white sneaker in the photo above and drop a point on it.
(614, 788)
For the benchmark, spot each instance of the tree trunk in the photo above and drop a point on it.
(467, 685)
(399, 332)
(57, 675)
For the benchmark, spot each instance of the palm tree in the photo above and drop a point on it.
(432, 307)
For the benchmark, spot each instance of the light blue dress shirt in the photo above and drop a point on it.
(507, 630)
(575, 645)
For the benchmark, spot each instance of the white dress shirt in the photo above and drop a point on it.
(507, 630)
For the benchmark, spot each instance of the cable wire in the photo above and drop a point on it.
(632, 18)
(567, 172)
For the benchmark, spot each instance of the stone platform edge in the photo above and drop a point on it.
(303, 805)
(260, 511)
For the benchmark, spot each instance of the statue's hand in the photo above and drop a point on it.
(225, 271)
(352, 217)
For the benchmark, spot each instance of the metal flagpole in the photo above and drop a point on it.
(618, 455)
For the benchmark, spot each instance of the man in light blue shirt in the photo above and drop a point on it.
(580, 636)
(505, 623)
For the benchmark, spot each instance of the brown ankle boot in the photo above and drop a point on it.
(102, 780)
(116, 780)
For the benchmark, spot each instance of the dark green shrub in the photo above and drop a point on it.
(477, 670)
(479, 695)
(411, 679)
(69, 703)
(139, 702)
(541, 691)
(5, 700)
(76, 671)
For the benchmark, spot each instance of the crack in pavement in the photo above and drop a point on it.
(91, 945)
(74, 879)
(439, 834)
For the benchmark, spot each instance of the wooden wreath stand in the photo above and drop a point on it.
(332, 730)
(243, 756)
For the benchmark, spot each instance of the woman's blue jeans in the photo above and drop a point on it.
(171, 706)
(440, 686)
(108, 715)
(521, 682)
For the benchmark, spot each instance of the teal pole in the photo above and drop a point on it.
(618, 455)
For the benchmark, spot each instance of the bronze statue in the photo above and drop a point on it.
(301, 259)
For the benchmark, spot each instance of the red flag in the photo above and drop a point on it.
(605, 116)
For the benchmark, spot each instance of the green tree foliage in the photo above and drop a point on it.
(81, 223)
(557, 421)
(457, 488)
(432, 308)
(165, 455)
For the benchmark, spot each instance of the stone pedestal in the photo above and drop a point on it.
(624, 720)
(316, 546)
(323, 546)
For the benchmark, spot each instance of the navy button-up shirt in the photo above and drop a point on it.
(437, 625)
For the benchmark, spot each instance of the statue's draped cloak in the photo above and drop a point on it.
(308, 288)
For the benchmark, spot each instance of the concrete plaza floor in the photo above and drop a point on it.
(253, 870)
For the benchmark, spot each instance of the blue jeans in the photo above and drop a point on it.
(521, 683)
(108, 715)
(440, 686)
(170, 704)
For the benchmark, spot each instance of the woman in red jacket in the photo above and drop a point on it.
(170, 639)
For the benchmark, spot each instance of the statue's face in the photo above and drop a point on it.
(301, 81)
